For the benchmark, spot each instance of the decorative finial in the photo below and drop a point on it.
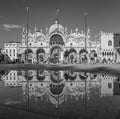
(23, 30)
(35, 28)
(56, 21)
(57, 13)
(88, 31)
(76, 30)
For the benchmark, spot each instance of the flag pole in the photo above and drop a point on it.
(85, 30)
(57, 20)
(27, 7)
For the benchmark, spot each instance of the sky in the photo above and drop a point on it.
(101, 15)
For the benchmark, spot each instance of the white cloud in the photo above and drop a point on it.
(8, 27)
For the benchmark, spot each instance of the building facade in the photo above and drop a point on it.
(12, 49)
(106, 49)
(57, 45)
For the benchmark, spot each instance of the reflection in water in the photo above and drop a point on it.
(62, 83)
(62, 87)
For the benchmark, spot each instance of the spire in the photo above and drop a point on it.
(35, 28)
(88, 31)
(76, 30)
(23, 30)
(46, 30)
(56, 21)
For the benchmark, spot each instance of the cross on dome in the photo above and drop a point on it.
(56, 21)
(35, 28)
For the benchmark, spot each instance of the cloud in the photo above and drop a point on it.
(9, 27)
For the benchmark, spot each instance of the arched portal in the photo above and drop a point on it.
(72, 55)
(83, 56)
(29, 55)
(40, 55)
(93, 56)
(66, 53)
(56, 51)
(56, 54)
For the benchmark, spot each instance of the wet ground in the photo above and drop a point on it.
(43, 94)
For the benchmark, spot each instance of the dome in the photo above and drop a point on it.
(39, 34)
(76, 35)
(55, 26)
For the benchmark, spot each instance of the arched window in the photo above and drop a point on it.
(109, 43)
(56, 39)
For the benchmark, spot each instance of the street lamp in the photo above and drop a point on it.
(27, 7)
(85, 30)
(57, 20)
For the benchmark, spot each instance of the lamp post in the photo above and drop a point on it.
(85, 30)
(27, 8)
(57, 20)
(86, 34)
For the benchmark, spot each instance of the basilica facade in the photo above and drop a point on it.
(58, 45)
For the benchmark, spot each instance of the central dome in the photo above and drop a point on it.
(55, 27)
